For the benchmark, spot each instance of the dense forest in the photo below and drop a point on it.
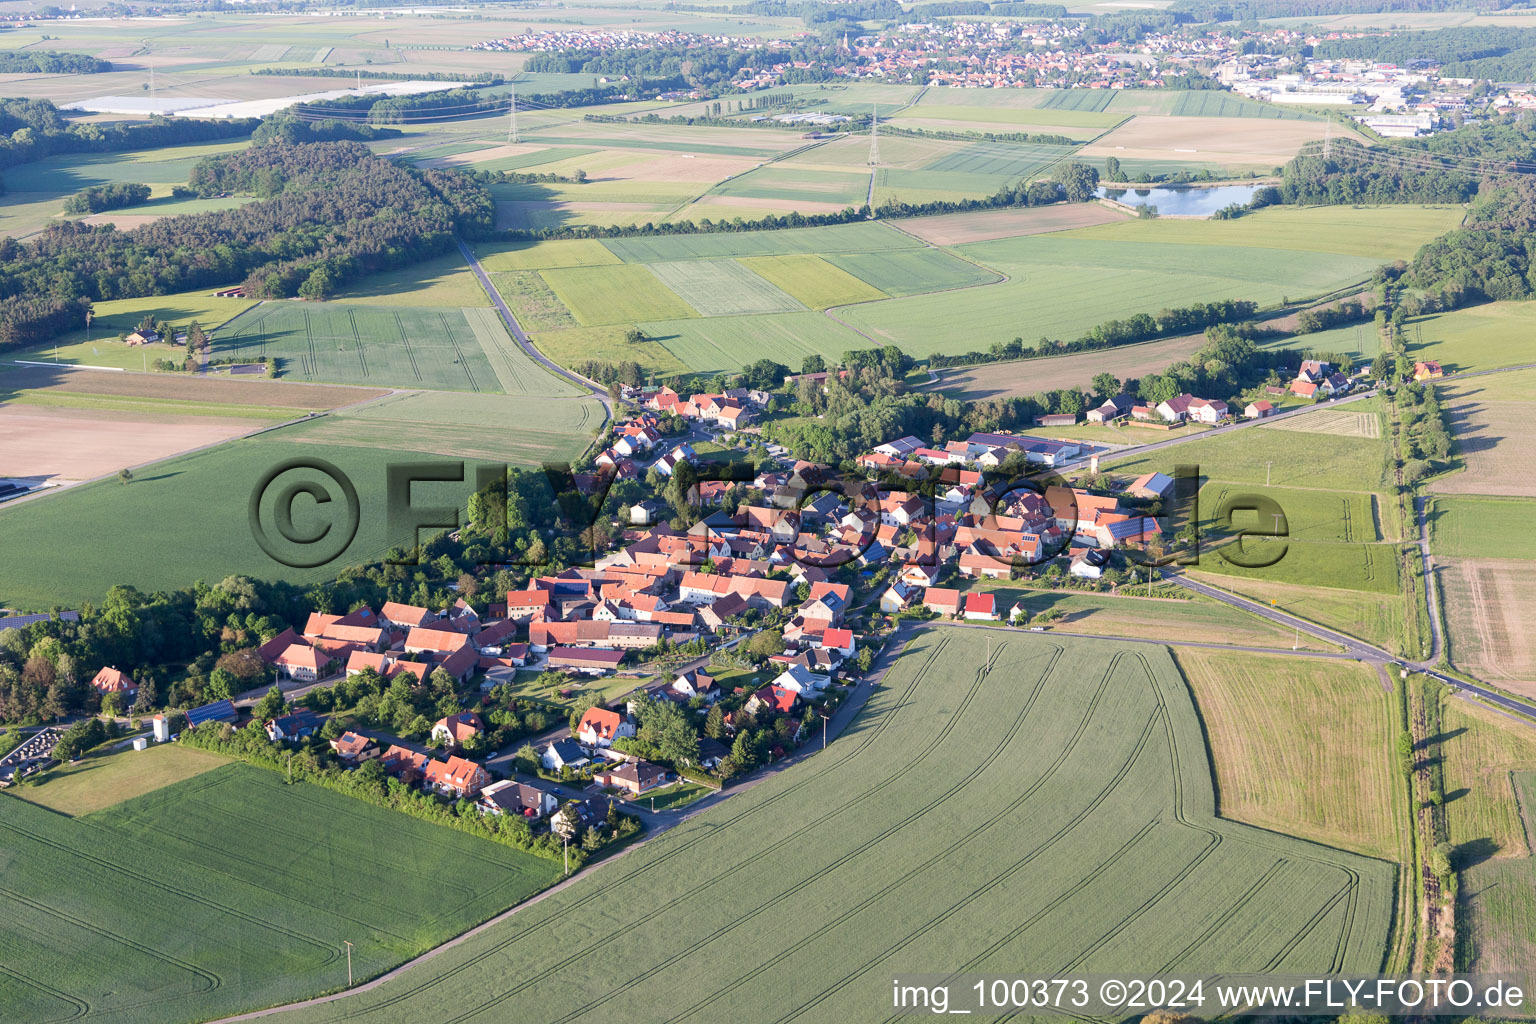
(33, 129)
(1457, 45)
(697, 66)
(50, 62)
(106, 197)
(331, 211)
(1256, 10)
(1352, 173)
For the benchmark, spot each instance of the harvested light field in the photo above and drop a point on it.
(723, 288)
(1259, 143)
(105, 778)
(982, 226)
(1023, 377)
(1345, 422)
(615, 295)
(812, 280)
(441, 282)
(923, 836)
(67, 445)
(230, 891)
(1490, 604)
(1490, 785)
(1302, 746)
(1491, 418)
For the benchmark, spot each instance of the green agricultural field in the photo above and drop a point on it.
(1361, 342)
(533, 303)
(775, 181)
(615, 295)
(1013, 160)
(109, 776)
(1171, 619)
(1052, 806)
(1375, 618)
(408, 346)
(1061, 286)
(913, 271)
(227, 892)
(1211, 103)
(72, 172)
(1287, 458)
(608, 344)
(1464, 526)
(574, 252)
(218, 484)
(1477, 338)
(1368, 567)
(1378, 233)
(725, 344)
(723, 288)
(121, 316)
(812, 280)
(1310, 515)
(521, 430)
(860, 236)
(443, 281)
(1078, 99)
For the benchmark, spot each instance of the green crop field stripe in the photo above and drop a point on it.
(844, 858)
(865, 740)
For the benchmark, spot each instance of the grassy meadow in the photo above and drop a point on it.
(924, 835)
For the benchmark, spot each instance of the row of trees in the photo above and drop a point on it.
(106, 197)
(1138, 328)
(50, 62)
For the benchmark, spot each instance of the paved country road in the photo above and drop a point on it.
(521, 336)
(1359, 649)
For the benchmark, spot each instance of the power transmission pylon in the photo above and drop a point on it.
(512, 119)
(874, 137)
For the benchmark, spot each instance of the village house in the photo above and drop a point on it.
(521, 799)
(634, 777)
(404, 616)
(110, 680)
(592, 661)
(1258, 410)
(942, 600)
(599, 727)
(694, 683)
(563, 754)
(404, 763)
(299, 724)
(1427, 369)
(354, 748)
(981, 607)
(456, 777)
(456, 730)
